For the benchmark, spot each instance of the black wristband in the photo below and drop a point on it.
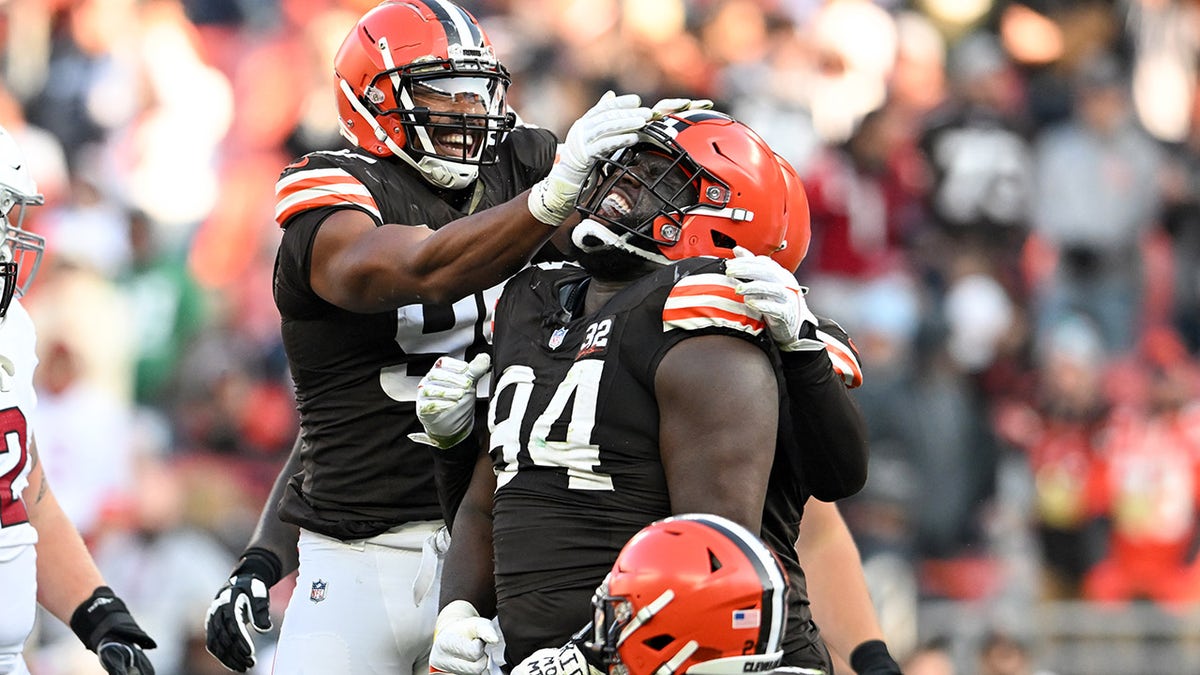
(96, 615)
(872, 656)
(261, 563)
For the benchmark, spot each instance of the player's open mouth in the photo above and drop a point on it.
(457, 143)
(615, 205)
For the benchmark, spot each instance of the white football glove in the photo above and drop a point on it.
(774, 292)
(667, 106)
(446, 400)
(611, 124)
(460, 637)
(566, 660)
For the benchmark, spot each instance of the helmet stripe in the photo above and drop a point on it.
(769, 572)
(459, 27)
(679, 121)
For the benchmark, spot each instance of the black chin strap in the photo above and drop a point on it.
(8, 277)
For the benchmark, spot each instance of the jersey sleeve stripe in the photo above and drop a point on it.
(320, 187)
(843, 360)
(708, 300)
(706, 284)
(700, 317)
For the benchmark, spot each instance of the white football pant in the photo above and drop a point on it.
(364, 606)
(18, 572)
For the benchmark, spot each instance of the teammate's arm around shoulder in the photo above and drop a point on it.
(718, 417)
(72, 589)
(364, 268)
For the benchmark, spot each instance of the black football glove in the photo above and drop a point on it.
(104, 625)
(242, 603)
(872, 658)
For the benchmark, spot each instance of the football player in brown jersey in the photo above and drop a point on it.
(391, 256)
(705, 147)
(633, 387)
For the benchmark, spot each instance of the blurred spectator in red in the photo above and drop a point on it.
(1151, 483)
(865, 207)
(1059, 428)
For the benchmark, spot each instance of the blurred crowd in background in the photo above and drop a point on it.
(1005, 218)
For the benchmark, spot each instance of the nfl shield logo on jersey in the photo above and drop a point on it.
(318, 591)
(556, 338)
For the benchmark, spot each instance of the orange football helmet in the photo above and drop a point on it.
(20, 250)
(695, 594)
(799, 223)
(401, 48)
(733, 197)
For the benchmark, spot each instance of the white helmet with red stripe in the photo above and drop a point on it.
(419, 80)
(20, 250)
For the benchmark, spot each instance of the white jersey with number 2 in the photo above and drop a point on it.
(18, 360)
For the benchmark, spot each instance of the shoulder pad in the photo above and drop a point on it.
(708, 300)
(321, 179)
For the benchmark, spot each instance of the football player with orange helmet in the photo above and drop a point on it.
(694, 189)
(693, 593)
(391, 255)
(631, 387)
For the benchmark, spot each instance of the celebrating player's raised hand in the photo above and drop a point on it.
(771, 290)
(608, 126)
(667, 106)
(774, 292)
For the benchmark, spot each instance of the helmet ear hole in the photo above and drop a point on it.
(659, 642)
(714, 563)
(722, 240)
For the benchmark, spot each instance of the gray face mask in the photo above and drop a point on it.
(20, 251)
